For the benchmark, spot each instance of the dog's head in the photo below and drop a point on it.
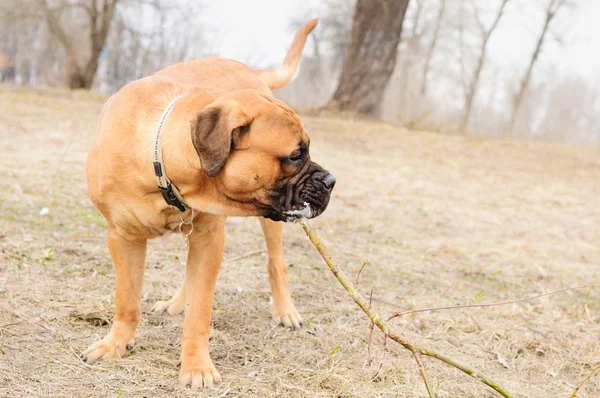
(257, 151)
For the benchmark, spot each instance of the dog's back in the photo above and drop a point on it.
(215, 72)
(227, 74)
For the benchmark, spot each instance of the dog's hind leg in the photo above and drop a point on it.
(284, 310)
(175, 305)
(128, 257)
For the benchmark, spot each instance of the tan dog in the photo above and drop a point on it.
(232, 150)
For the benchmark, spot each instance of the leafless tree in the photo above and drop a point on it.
(371, 56)
(431, 49)
(443, 63)
(144, 36)
(406, 100)
(80, 74)
(553, 7)
(335, 30)
(472, 88)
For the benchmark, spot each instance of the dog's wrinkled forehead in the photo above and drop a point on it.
(283, 118)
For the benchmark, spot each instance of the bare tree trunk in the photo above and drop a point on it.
(99, 20)
(551, 10)
(371, 57)
(406, 105)
(472, 90)
(461, 50)
(436, 32)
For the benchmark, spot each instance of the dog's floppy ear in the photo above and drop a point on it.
(213, 131)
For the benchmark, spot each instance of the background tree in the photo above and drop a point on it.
(469, 82)
(472, 88)
(436, 34)
(81, 70)
(551, 10)
(371, 55)
(144, 36)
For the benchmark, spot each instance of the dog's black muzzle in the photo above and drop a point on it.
(306, 195)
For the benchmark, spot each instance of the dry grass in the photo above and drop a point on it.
(440, 220)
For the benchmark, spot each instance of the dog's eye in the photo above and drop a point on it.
(295, 156)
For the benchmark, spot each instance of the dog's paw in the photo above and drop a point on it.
(172, 307)
(108, 347)
(287, 316)
(199, 376)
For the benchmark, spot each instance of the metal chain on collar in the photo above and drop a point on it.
(190, 222)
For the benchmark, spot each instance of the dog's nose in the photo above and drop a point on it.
(329, 182)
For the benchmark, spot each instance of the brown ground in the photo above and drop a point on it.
(440, 220)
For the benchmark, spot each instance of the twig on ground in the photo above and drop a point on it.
(583, 381)
(270, 333)
(372, 325)
(419, 360)
(358, 274)
(369, 360)
(10, 324)
(242, 256)
(452, 307)
(382, 325)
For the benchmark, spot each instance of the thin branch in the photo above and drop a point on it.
(369, 360)
(452, 307)
(551, 10)
(419, 360)
(55, 26)
(358, 275)
(480, 24)
(242, 256)
(10, 324)
(372, 324)
(86, 7)
(583, 381)
(430, 51)
(472, 92)
(381, 324)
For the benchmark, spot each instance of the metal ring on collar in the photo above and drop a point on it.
(184, 221)
(186, 234)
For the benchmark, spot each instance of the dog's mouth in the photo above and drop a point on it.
(306, 195)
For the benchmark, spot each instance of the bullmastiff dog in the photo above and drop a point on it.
(180, 151)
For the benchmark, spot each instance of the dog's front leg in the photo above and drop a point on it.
(204, 258)
(284, 310)
(128, 256)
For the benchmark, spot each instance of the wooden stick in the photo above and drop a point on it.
(383, 326)
(583, 382)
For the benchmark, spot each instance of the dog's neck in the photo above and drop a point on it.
(168, 190)
(183, 164)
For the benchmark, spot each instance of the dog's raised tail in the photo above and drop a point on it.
(279, 77)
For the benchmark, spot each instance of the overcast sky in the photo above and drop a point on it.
(260, 30)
